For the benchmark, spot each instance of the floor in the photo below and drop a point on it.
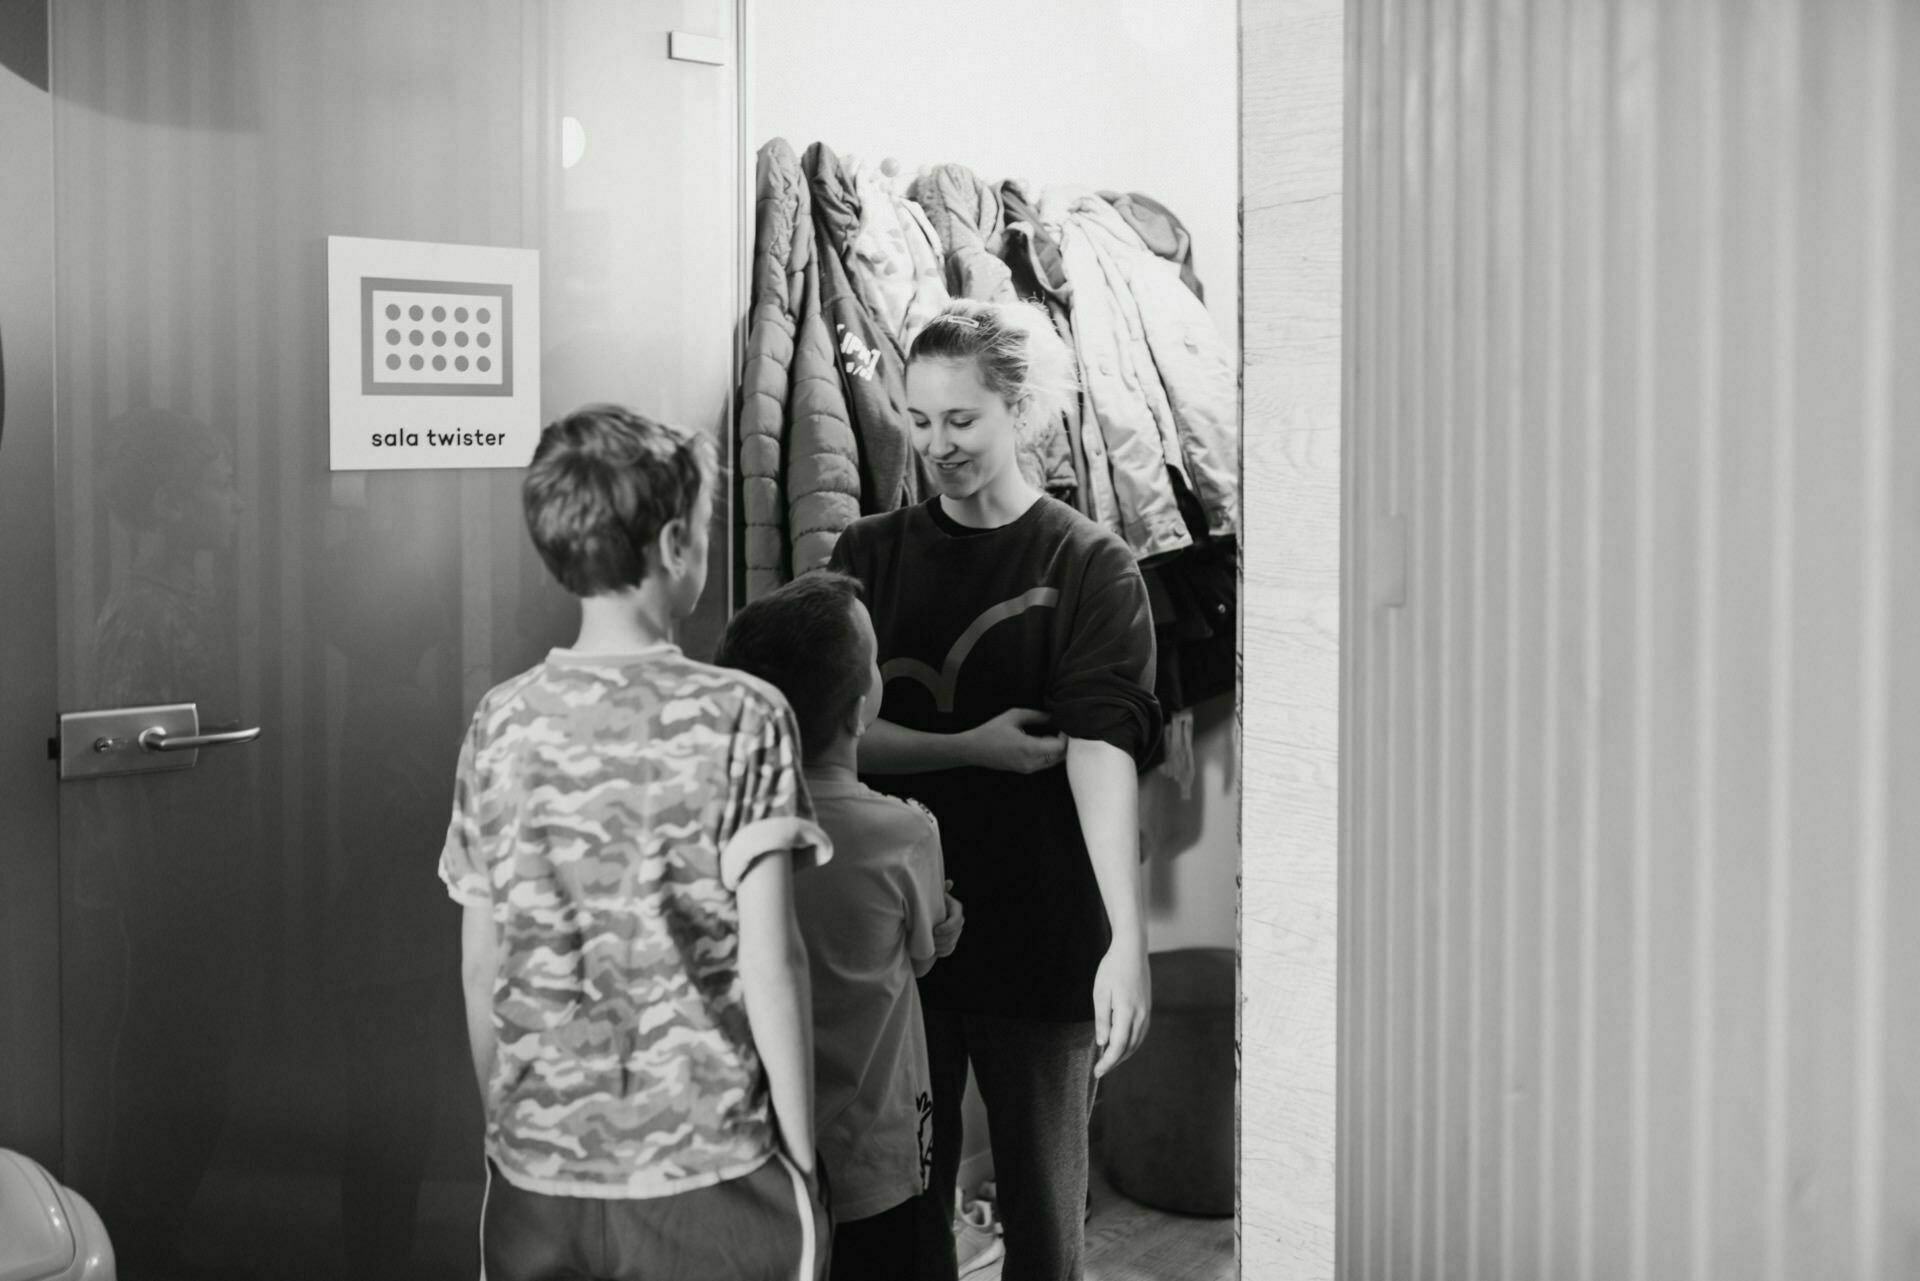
(1128, 1242)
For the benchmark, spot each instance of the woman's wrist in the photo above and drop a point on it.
(965, 746)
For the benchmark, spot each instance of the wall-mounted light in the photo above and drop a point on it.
(573, 142)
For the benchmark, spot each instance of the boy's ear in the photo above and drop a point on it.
(671, 546)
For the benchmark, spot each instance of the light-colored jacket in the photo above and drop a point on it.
(878, 255)
(1157, 374)
(1033, 253)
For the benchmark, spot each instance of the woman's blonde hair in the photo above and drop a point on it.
(1014, 345)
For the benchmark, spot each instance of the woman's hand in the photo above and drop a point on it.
(946, 935)
(1122, 1004)
(1005, 743)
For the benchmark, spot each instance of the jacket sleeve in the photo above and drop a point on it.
(765, 376)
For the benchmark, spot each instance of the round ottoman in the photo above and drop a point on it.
(1167, 1112)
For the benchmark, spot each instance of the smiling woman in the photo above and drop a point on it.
(982, 379)
(1025, 613)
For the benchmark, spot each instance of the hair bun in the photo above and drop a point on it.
(1020, 354)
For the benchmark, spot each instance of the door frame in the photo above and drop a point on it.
(30, 1118)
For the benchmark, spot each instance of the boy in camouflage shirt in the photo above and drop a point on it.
(626, 823)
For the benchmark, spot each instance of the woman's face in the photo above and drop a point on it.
(961, 427)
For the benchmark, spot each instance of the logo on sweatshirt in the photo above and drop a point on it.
(861, 360)
(943, 683)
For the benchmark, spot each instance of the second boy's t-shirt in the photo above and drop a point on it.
(868, 924)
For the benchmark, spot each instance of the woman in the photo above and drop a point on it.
(1002, 613)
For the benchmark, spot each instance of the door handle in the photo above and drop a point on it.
(156, 739)
(137, 740)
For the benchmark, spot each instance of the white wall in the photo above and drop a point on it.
(1292, 82)
(1134, 95)
(1631, 856)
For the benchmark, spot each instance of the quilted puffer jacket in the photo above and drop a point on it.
(822, 465)
(872, 371)
(1156, 373)
(782, 248)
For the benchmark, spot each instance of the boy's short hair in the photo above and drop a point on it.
(603, 483)
(802, 639)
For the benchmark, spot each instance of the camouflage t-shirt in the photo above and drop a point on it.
(606, 808)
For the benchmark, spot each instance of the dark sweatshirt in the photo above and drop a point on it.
(1048, 612)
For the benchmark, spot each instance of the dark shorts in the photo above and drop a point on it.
(763, 1226)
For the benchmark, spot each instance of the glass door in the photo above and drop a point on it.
(263, 1060)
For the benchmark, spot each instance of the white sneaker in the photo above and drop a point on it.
(976, 1237)
(976, 1247)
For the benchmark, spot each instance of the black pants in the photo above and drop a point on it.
(911, 1242)
(1037, 1082)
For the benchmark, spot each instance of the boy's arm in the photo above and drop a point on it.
(1002, 743)
(931, 912)
(1106, 792)
(479, 964)
(773, 975)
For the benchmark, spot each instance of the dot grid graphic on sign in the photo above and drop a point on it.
(435, 338)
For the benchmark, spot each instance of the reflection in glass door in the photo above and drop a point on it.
(263, 1057)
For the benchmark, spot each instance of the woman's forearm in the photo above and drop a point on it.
(887, 748)
(1106, 794)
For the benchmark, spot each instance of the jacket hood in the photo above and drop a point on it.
(781, 210)
(836, 202)
(1162, 231)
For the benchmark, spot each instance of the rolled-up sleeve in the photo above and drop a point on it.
(1102, 688)
(463, 863)
(768, 810)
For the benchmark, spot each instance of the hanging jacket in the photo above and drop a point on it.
(877, 255)
(1122, 388)
(965, 214)
(1020, 207)
(1158, 372)
(1196, 370)
(782, 247)
(822, 465)
(872, 372)
(1032, 254)
(1160, 230)
(929, 274)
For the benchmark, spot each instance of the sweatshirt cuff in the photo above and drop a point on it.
(1129, 718)
(809, 844)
